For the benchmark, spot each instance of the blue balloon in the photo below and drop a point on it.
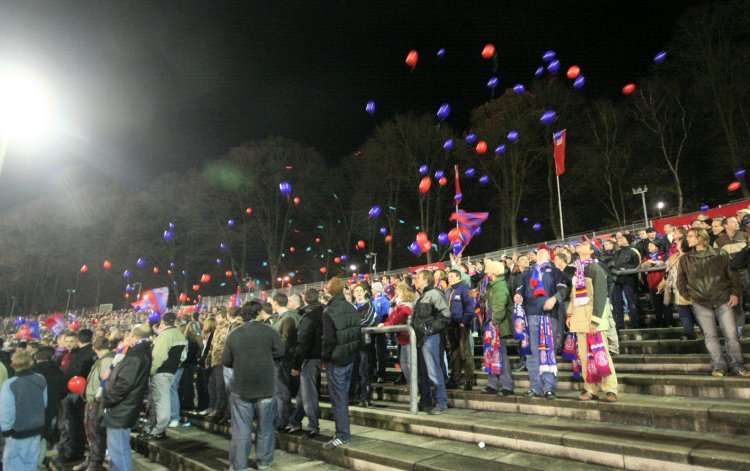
(492, 83)
(154, 317)
(513, 135)
(370, 107)
(739, 173)
(579, 82)
(441, 53)
(172, 264)
(285, 188)
(704, 208)
(137, 308)
(223, 246)
(424, 169)
(184, 272)
(129, 288)
(172, 225)
(553, 66)
(383, 230)
(548, 117)
(141, 263)
(448, 144)
(525, 219)
(659, 57)
(519, 88)
(415, 248)
(549, 56)
(444, 111)
(168, 235)
(18, 322)
(457, 247)
(470, 172)
(219, 261)
(231, 223)
(344, 258)
(458, 197)
(443, 238)
(471, 138)
(539, 71)
(484, 179)
(174, 283)
(439, 174)
(375, 211)
(500, 150)
(537, 226)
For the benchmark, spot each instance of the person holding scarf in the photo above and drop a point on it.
(498, 330)
(655, 258)
(541, 289)
(588, 318)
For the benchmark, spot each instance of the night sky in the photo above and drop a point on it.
(148, 87)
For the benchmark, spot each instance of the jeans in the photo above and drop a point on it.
(307, 396)
(687, 318)
(505, 380)
(707, 317)
(21, 454)
(174, 395)
(161, 385)
(96, 434)
(381, 353)
(626, 290)
(339, 378)
(118, 445)
(433, 357)
(283, 396)
(404, 361)
(218, 392)
(540, 382)
(660, 310)
(363, 375)
(243, 413)
(462, 360)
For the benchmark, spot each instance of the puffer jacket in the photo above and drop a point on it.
(170, 350)
(461, 303)
(705, 278)
(341, 332)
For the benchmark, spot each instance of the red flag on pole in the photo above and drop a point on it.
(458, 196)
(559, 138)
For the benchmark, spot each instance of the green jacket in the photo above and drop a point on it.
(498, 297)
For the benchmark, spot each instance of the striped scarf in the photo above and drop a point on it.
(493, 355)
(582, 294)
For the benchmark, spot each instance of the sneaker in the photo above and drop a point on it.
(549, 395)
(335, 442)
(203, 412)
(531, 394)
(174, 423)
(186, 424)
(521, 368)
(717, 373)
(489, 390)
(741, 372)
(610, 397)
(586, 396)
(290, 429)
(312, 433)
(380, 380)
(437, 411)
(506, 392)
(151, 437)
(468, 386)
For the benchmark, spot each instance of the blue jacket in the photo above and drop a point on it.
(382, 307)
(461, 303)
(23, 399)
(554, 286)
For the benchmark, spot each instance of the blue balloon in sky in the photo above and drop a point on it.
(172, 225)
(513, 135)
(444, 111)
(539, 71)
(141, 263)
(484, 179)
(704, 208)
(424, 169)
(172, 264)
(448, 144)
(231, 223)
(471, 138)
(439, 174)
(500, 150)
(126, 274)
(285, 188)
(415, 248)
(375, 211)
(739, 173)
(548, 117)
(370, 107)
(441, 52)
(470, 172)
(553, 66)
(219, 261)
(525, 219)
(549, 56)
(344, 258)
(443, 238)
(579, 82)
(457, 247)
(383, 230)
(659, 57)
(492, 83)
(537, 226)
(223, 246)
(519, 88)
(168, 235)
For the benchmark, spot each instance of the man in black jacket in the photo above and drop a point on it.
(341, 339)
(625, 286)
(253, 387)
(124, 391)
(56, 389)
(306, 364)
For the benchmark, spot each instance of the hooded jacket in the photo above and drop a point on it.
(461, 303)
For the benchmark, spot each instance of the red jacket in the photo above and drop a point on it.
(399, 316)
(654, 277)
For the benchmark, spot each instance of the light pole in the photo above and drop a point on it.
(67, 304)
(12, 306)
(642, 191)
(139, 289)
(659, 207)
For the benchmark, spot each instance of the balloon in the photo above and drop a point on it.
(196, 287)
(579, 82)
(172, 265)
(222, 246)
(500, 150)
(424, 185)
(184, 272)
(519, 88)
(344, 258)
(704, 208)
(734, 186)
(470, 172)
(249, 211)
(441, 53)
(525, 219)
(412, 58)
(415, 248)
(127, 295)
(77, 384)
(383, 230)
(489, 51)
(296, 200)
(361, 244)
(548, 117)
(317, 240)
(231, 223)
(74, 325)
(129, 288)
(426, 246)
(169, 272)
(388, 239)
(443, 181)
(439, 174)
(156, 269)
(539, 71)
(444, 111)
(448, 144)
(513, 135)
(443, 238)
(548, 56)
(205, 278)
(492, 83)
(553, 66)
(228, 273)
(375, 211)
(337, 260)
(285, 188)
(172, 226)
(141, 262)
(219, 261)
(323, 270)
(107, 264)
(18, 322)
(168, 235)
(628, 89)
(573, 72)
(484, 179)
(659, 57)
(370, 107)
(126, 274)
(481, 147)
(154, 317)
(537, 226)
(84, 269)
(183, 297)
(457, 247)
(458, 197)
(471, 138)
(739, 173)
(454, 235)
(292, 249)
(424, 169)
(421, 238)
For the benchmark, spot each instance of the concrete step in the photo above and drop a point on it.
(695, 363)
(140, 463)
(374, 448)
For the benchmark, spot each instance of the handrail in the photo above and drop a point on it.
(413, 365)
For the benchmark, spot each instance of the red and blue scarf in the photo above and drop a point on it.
(521, 329)
(546, 347)
(537, 281)
(493, 355)
(598, 359)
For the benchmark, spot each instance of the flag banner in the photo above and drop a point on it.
(560, 139)
(56, 323)
(155, 300)
(469, 224)
(238, 298)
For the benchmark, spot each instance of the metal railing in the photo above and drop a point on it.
(413, 382)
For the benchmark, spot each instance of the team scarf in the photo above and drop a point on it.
(570, 352)
(537, 282)
(582, 294)
(481, 310)
(493, 355)
(120, 355)
(546, 347)
(598, 360)
(521, 329)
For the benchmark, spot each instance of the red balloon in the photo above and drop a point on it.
(127, 295)
(196, 287)
(292, 249)
(205, 278)
(296, 200)
(107, 264)
(422, 238)
(412, 58)
(443, 181)
(489, 51)
(337, 260)
(317, 240)
(228, 273)
(734, 186)
(454, 235)
(388, 239)
(424, 185)
(360, 244)
(481, 147)
(249, 211)
(628, 89)
(426, 246)
(323, 269)
(169, 272)
(74, 325)
(183, 297)
(77, 384)
(84, 269)
(573, 72)
(156, 269)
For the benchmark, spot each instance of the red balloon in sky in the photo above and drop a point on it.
(205, 278)
(296, 200)
(426, 246)
(388, 238)
(249, 211)
(107, 264)
(169, 272)
(481, 147)
(84, 269)
(183, 297)
(424, 185)
(292, 249)
(156, 269)
(454, 235)
(337, 260)
(734, 186)
(489, 51)
(422, 238)
(317, 240)
(361, 244)
(196, 287)
(628, 89)
(443, 181)
(573, 72)
(228, 273)
(412, 58)
(323, 269)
